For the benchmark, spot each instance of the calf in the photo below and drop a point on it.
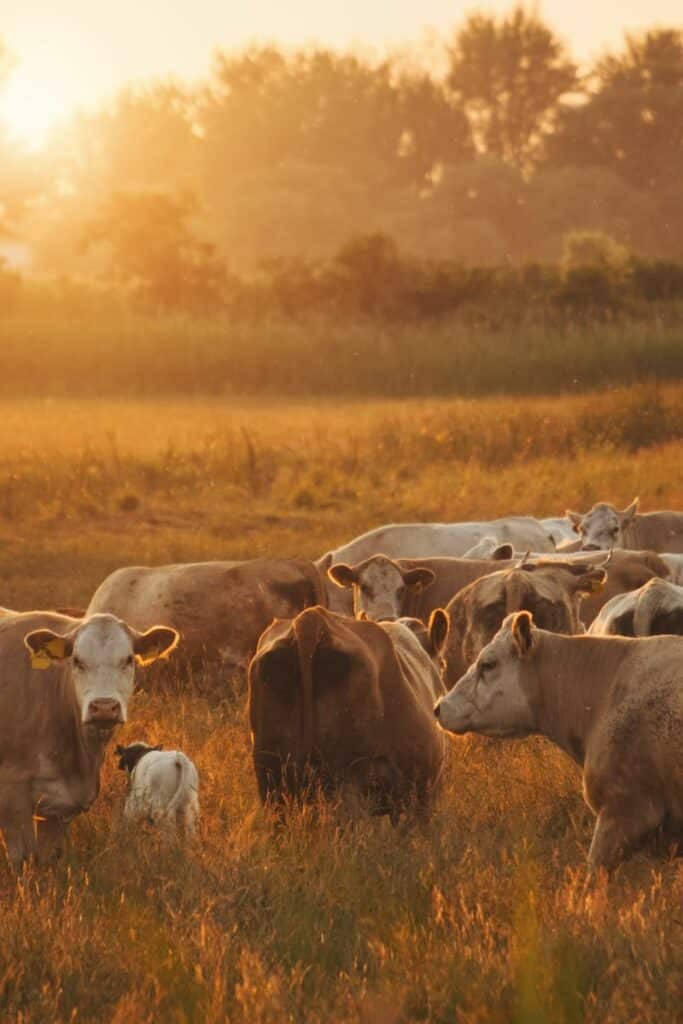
(163, 787)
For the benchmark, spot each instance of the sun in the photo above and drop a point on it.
(30, 107)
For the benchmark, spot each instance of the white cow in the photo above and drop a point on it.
(654, 608)
(164, 786)
(426, 540)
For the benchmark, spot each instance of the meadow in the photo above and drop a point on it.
(483, 915)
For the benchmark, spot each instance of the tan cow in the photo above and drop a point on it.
(655, 608)
(339, 702)
(551, 590)
(605, 527)
(220, 608)
(383, 588)
(56, 723)
(615, 705)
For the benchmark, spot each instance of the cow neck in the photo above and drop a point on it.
(632, 535)
(574, 675)
(81, 747)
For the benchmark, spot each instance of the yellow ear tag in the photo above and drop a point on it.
(40, 659)
(45, 655)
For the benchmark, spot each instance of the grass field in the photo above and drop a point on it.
(483, 915)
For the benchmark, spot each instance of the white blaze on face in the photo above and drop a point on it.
(601, 528)
(379, 590)
(490, 697)
(103, 668)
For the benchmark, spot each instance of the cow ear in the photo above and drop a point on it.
(341, 574)
(157, 642)
(575, 519)
(438, 628)
(418, 578)
(46, 647)
(502, 553)
(522, 633)
(590, 582)
(630, 510)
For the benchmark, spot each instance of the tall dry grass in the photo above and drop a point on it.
(483, 915)
(109, 352)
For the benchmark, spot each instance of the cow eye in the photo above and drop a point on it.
(488, 666)
(77, 663)
(129, 660)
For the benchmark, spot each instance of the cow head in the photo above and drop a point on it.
(380, 586)
(551, 591)
(101, 653)
(604, 526)
(496, 696)
(130, 755)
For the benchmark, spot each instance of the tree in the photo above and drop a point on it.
(155, 253)
(510, 75)
(633, 119)
(20, 178)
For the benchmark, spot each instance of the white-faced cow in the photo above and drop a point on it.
(64, 685)
(220, 608)
(335, 702)
(605, 527)
(615, 705)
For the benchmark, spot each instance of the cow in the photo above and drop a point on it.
(656, 607)
(65, 684)
(605, 527)
(335, 703)
(384, 588)
(163, 787)
(433, 540)
(613, 704)
(551, 590)
(220, 608)
(674, 564)
(491, 549)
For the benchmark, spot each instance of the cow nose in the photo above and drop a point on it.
(437, 710)
(104, 711)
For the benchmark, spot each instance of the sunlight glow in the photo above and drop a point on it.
(29, 108)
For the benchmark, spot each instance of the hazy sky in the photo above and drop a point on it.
(73, 52)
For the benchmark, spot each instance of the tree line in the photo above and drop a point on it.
(281, 157)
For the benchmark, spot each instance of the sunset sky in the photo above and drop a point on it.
(73, 53)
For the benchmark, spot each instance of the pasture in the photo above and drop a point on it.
(481, 916)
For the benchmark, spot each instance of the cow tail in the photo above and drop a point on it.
(308, 628)
(183, 786)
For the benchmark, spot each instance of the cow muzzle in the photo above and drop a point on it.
(104, 712)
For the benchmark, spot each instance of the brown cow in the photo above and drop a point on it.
(656, 607)
(382, 588)
(615, 705)
(551, 590)
(605, 527)
(338, 702)
(220, 608)
(55, 724)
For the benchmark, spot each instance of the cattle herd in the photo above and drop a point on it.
(359, 665)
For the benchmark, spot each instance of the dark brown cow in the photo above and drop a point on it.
(55, 724)
(344, 702)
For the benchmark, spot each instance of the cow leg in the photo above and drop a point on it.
(16, 823)
(617, 833)
(51, 834)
